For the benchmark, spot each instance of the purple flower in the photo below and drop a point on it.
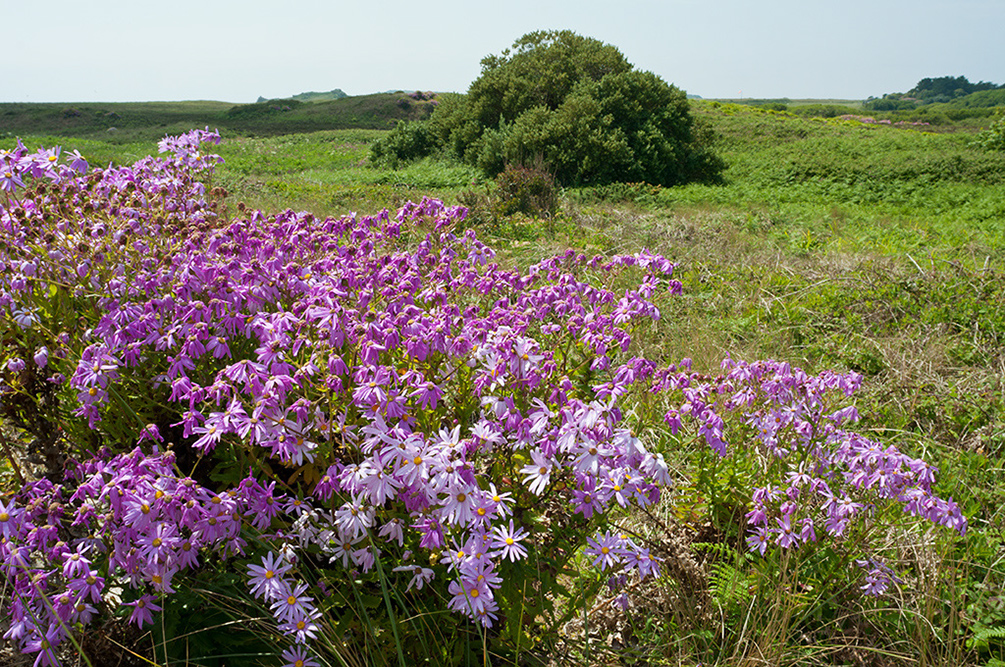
(758, 540)
(508, 541)
(420, 576)
(538, 473)
(143, 610)
(297, 656)
(41, 357)
(606, 550)
(295, 604)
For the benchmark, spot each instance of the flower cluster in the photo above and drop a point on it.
(131, 524)
(823, 478)
(340, 346)
(293, 609)
(424, 404)
(20, 164)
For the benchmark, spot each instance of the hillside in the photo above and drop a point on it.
(122, 122)
(336, 94)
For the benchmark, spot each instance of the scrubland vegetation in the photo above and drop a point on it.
(302, 374)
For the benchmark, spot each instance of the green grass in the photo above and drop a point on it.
(329, 173)
(828, 185)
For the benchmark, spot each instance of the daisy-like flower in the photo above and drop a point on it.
(538, 473)
(393, 530)
(45, 646)
(75, 564)
(143, 610)
(302, 629)
(294, 606)
(89, 585)
(297, 656)
(508, 540)
(458, 506)
(606, 550)
(641, 560)
(41, 357)
(787, 537)
(10, 519)
(420, 576)
(759, 539)
(468, 597)
(79, 164)
(354, 518)
(267, 579)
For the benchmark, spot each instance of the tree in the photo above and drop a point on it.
(577, 105)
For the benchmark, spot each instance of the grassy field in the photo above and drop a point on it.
(831, 244)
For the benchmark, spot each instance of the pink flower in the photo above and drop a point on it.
(143, 610)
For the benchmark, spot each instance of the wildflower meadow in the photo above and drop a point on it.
(389, 447)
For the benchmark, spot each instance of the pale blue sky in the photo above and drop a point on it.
(236, 50)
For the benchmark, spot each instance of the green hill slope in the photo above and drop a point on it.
(135, 121)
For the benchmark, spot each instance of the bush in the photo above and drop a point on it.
(527, 190)
(993, 138)
(579, 105)
(406, 142)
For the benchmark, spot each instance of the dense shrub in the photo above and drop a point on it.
(406, 142)
(576, 104)
(526, 190)
(993, 138)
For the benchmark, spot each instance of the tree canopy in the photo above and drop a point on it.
(573, 103)
(934, 91)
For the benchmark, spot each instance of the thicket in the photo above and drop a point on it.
(940, 90)
(574, 104)
(993, 138)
